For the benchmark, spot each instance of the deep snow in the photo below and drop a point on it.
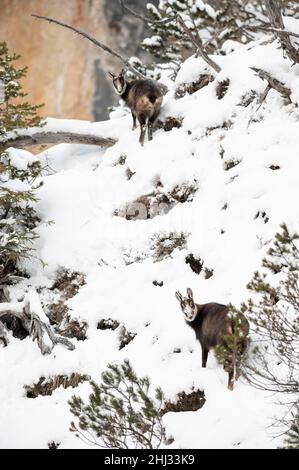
(80, 195)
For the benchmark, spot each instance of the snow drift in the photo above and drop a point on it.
(241, 161)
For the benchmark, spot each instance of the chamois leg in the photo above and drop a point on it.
(134, 121)
(151, 122)
(150, 130)
(204, 357)
(143, 126)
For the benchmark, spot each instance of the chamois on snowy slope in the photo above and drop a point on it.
(144, 99)
(212, 326)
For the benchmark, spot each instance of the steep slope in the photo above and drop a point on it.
(229, 174)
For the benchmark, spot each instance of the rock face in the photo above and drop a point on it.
(67, 72)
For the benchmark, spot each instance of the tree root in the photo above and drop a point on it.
(34, 320)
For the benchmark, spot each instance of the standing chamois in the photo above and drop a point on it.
(213, 326)
(144, 99)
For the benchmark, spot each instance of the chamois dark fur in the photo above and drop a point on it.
(144, 99)
(212, 325)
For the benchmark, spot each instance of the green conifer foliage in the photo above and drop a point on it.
(231, 353)
(17, 215)
(292, 436)
(120, 413)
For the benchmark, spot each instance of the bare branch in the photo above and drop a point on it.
(273, 83)
(198, 44)
(271, 30)
(33, 319)
(94, 41)
(39, 137)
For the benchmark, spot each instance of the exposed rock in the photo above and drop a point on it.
(186, 402)
(47, 386)
(221, 88)
(53, 445)
(67, 72)
(158, 202)
(107, 324)
(190, 88)
(169, 123)
(125, 337)
(195, 264)
(229, 164)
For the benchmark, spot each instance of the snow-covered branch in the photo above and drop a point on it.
(47, 137)
(34, 320)
(273, 82)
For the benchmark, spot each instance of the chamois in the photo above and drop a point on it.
(212, 325)
(144, 99)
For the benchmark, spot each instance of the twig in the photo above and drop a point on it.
(143, 18)
(198, 44)
(271, 30)
(195, 40)
(273, 83)
(94, 41)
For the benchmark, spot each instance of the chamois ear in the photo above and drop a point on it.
(123, 72)
(111, 74)
(178, 296)
(190, 293)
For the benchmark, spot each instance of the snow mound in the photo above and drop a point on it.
(244, 160)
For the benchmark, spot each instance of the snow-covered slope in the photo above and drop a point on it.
(243, 164)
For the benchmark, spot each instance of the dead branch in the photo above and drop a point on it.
(272, 83)
(275, 18)
(46, 137)
(271, 30)
(34, 320)
(198, 44)
(94, 41)
(143, 18)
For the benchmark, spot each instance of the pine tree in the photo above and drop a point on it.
(17, 215)
(273, 364)
(214, 25)
(292, 436)
(120, 413)
(231, 353)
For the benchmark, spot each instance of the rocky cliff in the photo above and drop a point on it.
(66, 72)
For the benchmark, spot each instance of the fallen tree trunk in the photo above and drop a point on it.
(40, 137)
(35, 322)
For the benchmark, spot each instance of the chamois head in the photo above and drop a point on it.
(188, 305)
(119, 82)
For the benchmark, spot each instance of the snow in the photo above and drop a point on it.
(80, 195)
